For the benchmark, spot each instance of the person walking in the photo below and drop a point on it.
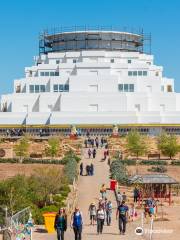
(119, 198)
(132, 212)
(92, 213)
(135, 194)
(100, 220)
(92, 169)
(122, 213)
(108, 213)
(103, 191)
(94, 153)
(89, 153)
(81, 169)
(60, 224)
(87, 170)
(85, 143)
(77, 223)
(124, 197)
(97, 142)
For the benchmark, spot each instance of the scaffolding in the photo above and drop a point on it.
(94, 38)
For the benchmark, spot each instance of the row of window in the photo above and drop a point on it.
(126, 87)
(37, 88)
(112, 61)
(47, 74)
(137, 73)
(61, 87)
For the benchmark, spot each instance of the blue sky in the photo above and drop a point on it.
(21, 21)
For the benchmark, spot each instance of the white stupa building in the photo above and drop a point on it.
(92, 77)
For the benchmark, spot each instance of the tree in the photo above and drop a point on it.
(53, 147)
(21, 148)
(13, 194)
(136, 144)
(118, 171)
(168, 145)
(45, 182)
(70, 170)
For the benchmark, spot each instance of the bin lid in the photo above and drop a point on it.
(49, 214)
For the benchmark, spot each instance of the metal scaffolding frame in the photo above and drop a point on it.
(129, 38)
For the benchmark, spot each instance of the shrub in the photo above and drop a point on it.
(160, 169)
(129, 162)
(70, 170)
(118, 171)
(175, 162)
(152, 162)
(70, 155)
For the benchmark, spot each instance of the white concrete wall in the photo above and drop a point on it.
(93, 83)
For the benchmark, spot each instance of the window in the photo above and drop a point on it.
(57, 61)
(74, 60)
(66, 88)
(52, 74)
(139, 73)
(93, 107)
(42, 88)
(169, 88)
(112, 60)
(36, 88)
(157, 74)
(134, 73)
(61, 88)
(137, 107)
(129, 61)
(162, 88)
(46, 74)
(126, 87)
(131, 87)
(55, 88)
(42, 74)
(120, 86)
(31, 88)
(56, 73)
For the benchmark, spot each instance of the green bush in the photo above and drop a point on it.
(152, 162)
(70, 155)
(175, 162)
(159, 169)
(129, 162)
(119, 172)
(70, 170)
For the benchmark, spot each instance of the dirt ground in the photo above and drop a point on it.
(8, 170)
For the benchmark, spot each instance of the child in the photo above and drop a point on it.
(132, 212)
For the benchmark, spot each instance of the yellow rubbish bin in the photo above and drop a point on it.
(49, 219)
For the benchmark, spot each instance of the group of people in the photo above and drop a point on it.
(95, 142)
(101, 213)
(60, 223)
(15, 132)
(150, 205)
(92, 153)
(89, 169)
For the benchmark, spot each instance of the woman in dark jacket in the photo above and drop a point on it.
(60, 224)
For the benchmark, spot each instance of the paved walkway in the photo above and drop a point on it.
(89, 187)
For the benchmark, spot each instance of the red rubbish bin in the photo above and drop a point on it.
(113, 184)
